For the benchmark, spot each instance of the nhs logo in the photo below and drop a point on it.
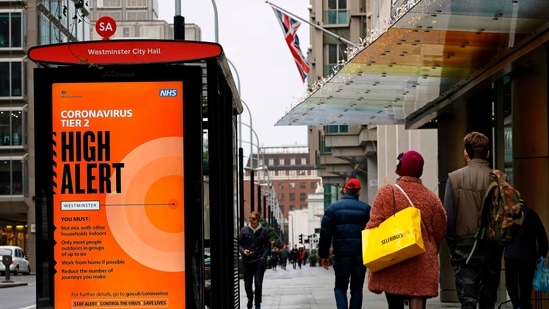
(168, 92)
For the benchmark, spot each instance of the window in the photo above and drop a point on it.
(11, 78)
(302, 196)
(335, 54)
(303, 161)
(136, 15)
(116, 15)
(13, 127)
(136, 3)
(336, 129)
(292, 161)
(281, 196)
(13, 175)
(281, 186)
(292, 197)
(281, 161)
(10, 29)
(109, 3)
(337, 13)
(128, 32)
(292, 207)
(313, 185)
(293, 173)
(271, 162)
(323, 147)
(303, 185)
(281, 173)
(292, 185)
(156, 32)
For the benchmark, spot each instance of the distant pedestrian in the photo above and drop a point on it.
(284, 254)
(521, 256)
(294, 256)
(255, 245)
(341, 227)
(300, 256)
(274, 258)
(417, 278)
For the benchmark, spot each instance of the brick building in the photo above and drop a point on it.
(283, 177)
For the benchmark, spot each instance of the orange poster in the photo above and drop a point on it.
(118, 195)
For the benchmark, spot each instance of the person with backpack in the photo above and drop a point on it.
(477, 265)
(521, 256)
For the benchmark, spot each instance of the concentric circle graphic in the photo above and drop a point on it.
(147, 217)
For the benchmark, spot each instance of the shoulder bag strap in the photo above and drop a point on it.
(394, 201)
(410, 201)
(401, 190)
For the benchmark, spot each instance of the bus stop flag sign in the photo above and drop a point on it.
(105, 27)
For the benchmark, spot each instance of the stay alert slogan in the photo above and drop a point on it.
(118, 195)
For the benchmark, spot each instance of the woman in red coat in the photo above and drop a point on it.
(417, 278)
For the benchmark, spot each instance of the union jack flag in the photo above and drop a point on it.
(289, 28)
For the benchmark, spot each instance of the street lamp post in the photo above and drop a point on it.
(252, 165)
(216, 24)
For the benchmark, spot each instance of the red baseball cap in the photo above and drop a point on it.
(352, 184)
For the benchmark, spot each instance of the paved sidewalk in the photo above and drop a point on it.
(312, 288)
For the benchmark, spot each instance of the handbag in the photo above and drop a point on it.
(541, 277)
(396, 239)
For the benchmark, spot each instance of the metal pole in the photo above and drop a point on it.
(241, 184)
(251, 130)
(216, 23)
(265, 208)
(178, 23)
(259, 195)
(252, 189)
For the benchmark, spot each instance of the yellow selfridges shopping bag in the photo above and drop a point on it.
(396, 239)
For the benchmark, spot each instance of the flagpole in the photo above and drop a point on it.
(316, 26)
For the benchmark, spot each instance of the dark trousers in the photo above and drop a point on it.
(253, 275)
(283, 263)
(349, 274)
(477, 281)
(519, 275)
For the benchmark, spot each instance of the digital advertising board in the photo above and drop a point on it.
(118, 179)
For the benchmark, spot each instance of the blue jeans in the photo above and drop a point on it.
(346, 268)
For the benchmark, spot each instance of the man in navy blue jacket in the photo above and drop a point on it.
(341, 227)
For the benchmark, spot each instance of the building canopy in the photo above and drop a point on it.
(430, 52)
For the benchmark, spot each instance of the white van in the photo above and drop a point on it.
(19, 262)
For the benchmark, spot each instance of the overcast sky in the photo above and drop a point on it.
(253, 41)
